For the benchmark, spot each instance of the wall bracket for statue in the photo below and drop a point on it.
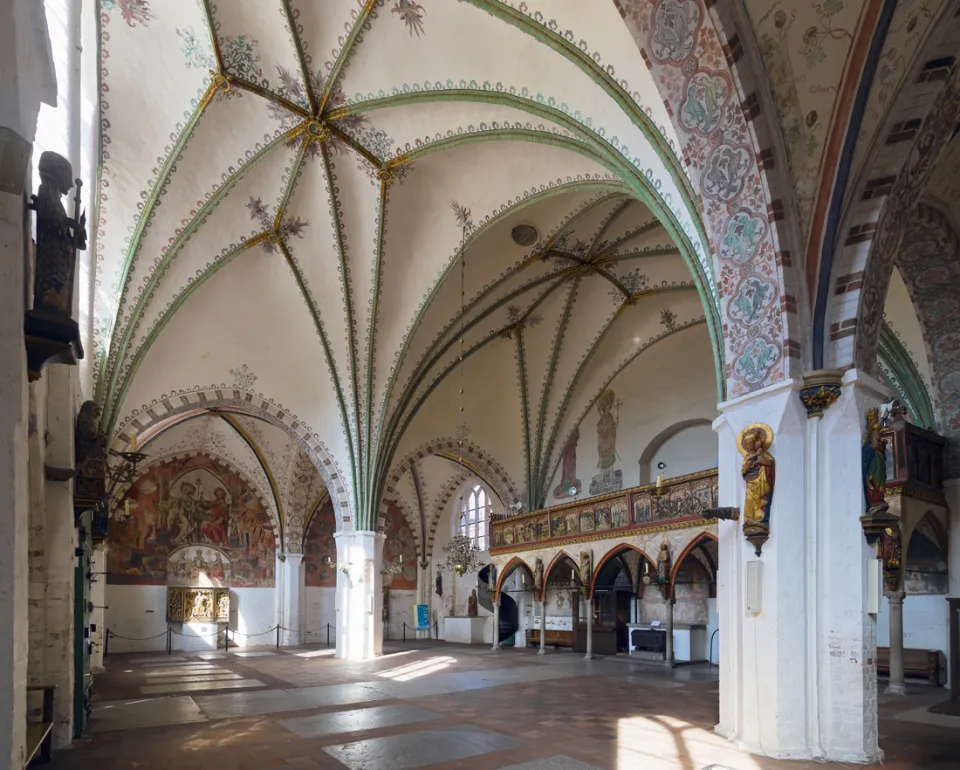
(51, 335)
(90, 475)
(759, 474)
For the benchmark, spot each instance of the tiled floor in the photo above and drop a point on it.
(443, 707)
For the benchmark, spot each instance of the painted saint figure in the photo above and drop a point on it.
(759, 472)
(663, 564)
(538, 579)
(472, 604)
(568, 469)
(873, 457)
(606, 434)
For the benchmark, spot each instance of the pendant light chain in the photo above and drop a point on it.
(461, 427)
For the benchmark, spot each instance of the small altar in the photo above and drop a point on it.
(464, 630)
(689, 640)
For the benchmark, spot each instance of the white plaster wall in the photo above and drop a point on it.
(925, 623)
(672, 381)
(688, 451)
(140, 611)
(713, 624)
(321, 609)
(401, 610)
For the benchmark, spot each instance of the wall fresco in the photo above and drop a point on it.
(318, 546)
(183, 510)
(400, 540)
(680, 500)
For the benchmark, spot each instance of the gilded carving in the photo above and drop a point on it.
(759, 474)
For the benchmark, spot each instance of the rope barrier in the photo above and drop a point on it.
(262, 633)
(196, 636)
(115, 635)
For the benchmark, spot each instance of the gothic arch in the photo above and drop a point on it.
(166, 411)
(613, 553)
(748, 230)
(557, 557)
(688, 551)
(509, 568)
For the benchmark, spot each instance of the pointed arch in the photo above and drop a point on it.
(698, 542)
(613, 553)
(509, 568)
(558, 557)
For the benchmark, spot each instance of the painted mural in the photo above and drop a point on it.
(609, 478)
(569, 485)
(679, 502)
(400, 540)
(319, 546)
(183, 511)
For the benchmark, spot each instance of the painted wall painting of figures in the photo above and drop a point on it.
(193, 501)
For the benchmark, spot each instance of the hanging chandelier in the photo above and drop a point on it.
(462, 556)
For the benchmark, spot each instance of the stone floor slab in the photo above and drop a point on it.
(215, 677)
(419, 749)
(134, 714)
(552, 763)
(250, 703)
(256, 654)
(343, 694)
(164, 689)
(354, 721)
(150, 659)
(184, 670)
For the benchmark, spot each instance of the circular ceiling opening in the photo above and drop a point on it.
(525, 235)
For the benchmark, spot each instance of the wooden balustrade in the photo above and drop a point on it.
(678, 503)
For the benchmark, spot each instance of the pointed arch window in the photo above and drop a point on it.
(473, 516)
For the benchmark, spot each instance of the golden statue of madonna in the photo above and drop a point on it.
(759, 473)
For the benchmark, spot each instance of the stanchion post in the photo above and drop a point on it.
(278, 636)
(169, 641)
(404, 632)
(328, 634)
(106, 644)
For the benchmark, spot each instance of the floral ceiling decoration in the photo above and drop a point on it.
(276, 200)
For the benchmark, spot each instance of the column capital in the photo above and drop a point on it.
(895, 597)
(821, 388)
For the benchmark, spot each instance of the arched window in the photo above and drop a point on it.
(473, 516)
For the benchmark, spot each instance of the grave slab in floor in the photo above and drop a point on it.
(164, 689)
(142, 713)
(419, 749)
(354, 721)
(552, 763)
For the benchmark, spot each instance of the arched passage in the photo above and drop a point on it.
(685, 447)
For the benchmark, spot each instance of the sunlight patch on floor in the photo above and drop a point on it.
(659, 742)
(418, 669)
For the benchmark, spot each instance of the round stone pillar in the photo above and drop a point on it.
(896, 685)
(359, 595)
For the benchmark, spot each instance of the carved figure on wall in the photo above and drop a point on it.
(759, 474)
(58, 237)
(663, 564)
(385, 609)
(439, 583)
(608, 479)
(569, 485)
(889, 551)
(586, 569)
(492, 577)
(472, 604)
(873, 455)
(538, 578)
(90, 454)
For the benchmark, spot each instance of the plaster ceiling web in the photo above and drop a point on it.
(289, 181)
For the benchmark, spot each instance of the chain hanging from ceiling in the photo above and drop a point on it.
(461, 551)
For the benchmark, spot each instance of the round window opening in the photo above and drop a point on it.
(525, 235)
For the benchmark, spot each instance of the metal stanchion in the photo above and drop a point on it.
(106, 643)
(404, 633)
(328, 634)
(169, 641)
(278, 636)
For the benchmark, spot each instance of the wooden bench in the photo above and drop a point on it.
(39, 740)
(925, 663)
(556, 638)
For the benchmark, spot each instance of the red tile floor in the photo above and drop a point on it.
(607, 714)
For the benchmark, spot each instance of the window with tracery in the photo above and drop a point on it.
(473, 516)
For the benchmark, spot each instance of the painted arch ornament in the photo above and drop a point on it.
(683, 50)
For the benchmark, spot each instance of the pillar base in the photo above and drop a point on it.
(590, 656)
(895, 689)
(359, 595)
(541, 651)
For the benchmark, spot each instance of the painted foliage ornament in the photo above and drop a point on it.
(759, 474)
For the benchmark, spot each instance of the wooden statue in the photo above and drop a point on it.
(492, 578)
(439, 583)
(90, 455)
(538, 579)
(663, 564)
(586, 569)
(58, 238)
(385, 611)
(472, 604)
(889, 551)
(759, 474)
(873, 456)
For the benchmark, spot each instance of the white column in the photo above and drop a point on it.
(770, 700)
(588, 655)
(359, 595)
(543, 627)
(896, 685)
(496, 624)
(290, 589)
(98, 595)
(668, 653)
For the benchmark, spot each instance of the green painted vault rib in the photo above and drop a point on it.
(895, 359)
